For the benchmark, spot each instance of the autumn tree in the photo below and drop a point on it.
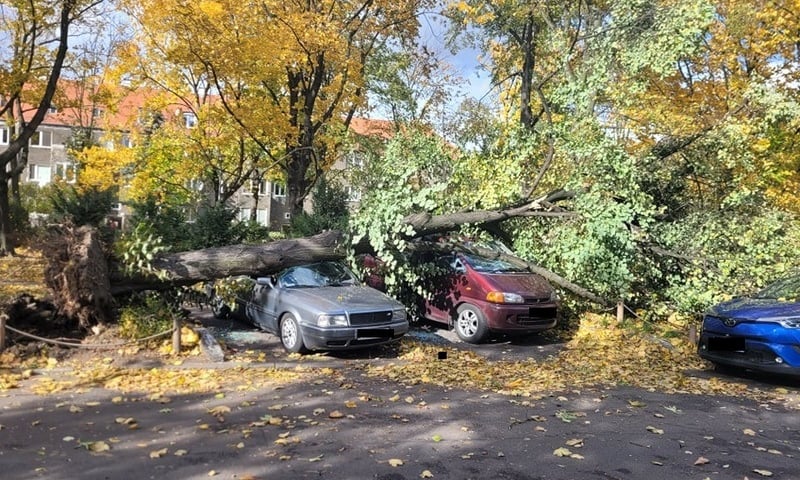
(289, 76)
(668, 121)
(36, 36)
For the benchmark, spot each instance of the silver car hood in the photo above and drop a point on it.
(349, 298)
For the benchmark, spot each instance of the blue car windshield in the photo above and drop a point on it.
(491, 265)
(323, 274)
(788, 288)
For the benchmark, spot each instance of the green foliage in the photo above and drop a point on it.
(407, 178)
(37, 199)
(725, 254)
(254, 232)
(329, 210)
(215, 227)
(162, 220)
(138, 248)
(146, 315)
(83, 207)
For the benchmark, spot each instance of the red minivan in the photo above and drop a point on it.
(479, 295)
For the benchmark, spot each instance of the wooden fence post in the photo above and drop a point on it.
(176, 335)
(3, 319)
(620, 311)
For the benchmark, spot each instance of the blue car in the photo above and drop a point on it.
(760, 333)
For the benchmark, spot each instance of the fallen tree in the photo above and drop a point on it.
(84, 282)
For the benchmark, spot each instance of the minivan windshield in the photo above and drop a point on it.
(491, 265)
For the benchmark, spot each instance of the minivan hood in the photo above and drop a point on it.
(525, 284)
(747, 308)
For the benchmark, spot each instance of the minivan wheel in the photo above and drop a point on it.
(470, 325)
(291, 336)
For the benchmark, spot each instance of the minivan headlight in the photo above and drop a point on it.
(326, 320)
(504, 297)
(399, 314)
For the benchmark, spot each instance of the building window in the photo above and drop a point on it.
(4, 135)
(354, 161)
(195, 185)
(126, 141)
(97, 112)
(52, 109)
(353, 194)
(244, 214)
(189, 120)
(39, 173)
(259, 186)
(261, 216)
(66, 171)
(278, 190)
(42, 139)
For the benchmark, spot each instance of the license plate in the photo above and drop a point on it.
(374, 333)
(726, 344)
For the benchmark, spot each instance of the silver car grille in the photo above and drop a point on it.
(371, 318)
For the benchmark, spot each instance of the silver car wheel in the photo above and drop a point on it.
(467, 323)
(291, 336)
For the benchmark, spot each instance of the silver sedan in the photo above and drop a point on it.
(323, 306)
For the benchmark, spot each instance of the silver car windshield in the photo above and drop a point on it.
(323, 274)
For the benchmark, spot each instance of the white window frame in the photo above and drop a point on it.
(354, 160)
(278, 190)
(36, 174)
(38, 139)
(262, 187)
(353, 194)
(5, 133)
(66, 171)
(195, 185)
(244, 214)
(189, 120)
(262, 216)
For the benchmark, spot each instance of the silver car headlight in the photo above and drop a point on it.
(399, 314)
(326, 320)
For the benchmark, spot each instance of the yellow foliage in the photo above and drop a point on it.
(101, 167)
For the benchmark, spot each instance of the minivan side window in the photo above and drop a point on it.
(458, 266)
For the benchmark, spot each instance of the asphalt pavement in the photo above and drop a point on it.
(355, 426)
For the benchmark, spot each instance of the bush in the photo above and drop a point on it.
(147, 315)
(82, 207)
(329, 211)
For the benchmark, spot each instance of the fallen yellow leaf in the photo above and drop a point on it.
(562, 452)
(158, 453)
(395, 462)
